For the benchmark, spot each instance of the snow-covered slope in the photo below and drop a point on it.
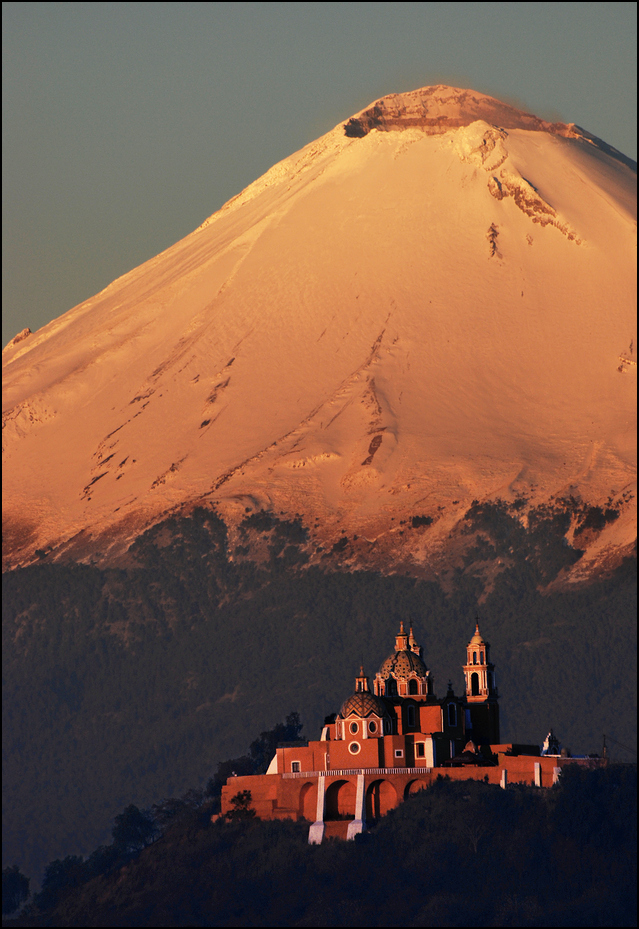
(434, 303)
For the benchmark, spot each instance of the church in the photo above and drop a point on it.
(391, 741)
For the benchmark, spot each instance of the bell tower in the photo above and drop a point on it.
(361, 682)
(482, 709)
(401, 639)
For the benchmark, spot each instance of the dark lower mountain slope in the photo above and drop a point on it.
(129, 685)
(458, 854)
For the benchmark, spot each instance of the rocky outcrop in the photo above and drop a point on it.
(440, 108)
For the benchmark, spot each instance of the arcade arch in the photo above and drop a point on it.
(413, 787)
(340, 800)
(381, 797)
(308, 802)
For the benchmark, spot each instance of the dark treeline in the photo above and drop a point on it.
(136, 829)
(124, 685)
(457, 854)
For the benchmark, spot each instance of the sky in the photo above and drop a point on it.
(126, 124)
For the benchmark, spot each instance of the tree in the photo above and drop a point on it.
(134, 829)
(242, 803)
(168, 810)
(263, 749)
(60, 876)
(15, 889)
(104, 859)
(260, 754)
(225, 769)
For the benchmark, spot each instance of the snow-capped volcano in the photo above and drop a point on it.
(434, 303)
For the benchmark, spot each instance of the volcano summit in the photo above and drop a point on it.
(429, 306)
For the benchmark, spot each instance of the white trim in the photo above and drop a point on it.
(340, 772)
(359, 823)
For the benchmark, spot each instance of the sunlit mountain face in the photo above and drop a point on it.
(392, 380)
(428, 311)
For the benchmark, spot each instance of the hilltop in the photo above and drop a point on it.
(457, 854)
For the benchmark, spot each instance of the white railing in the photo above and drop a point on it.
(343, 771)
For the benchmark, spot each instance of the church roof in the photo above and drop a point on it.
(401, 664)
(477, 637)
(363, 703)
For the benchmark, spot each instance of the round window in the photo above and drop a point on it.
(353, 727)
(354, 748)
(372, 727)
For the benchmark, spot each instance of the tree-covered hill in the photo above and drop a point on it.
(127, 685)
(457, 854)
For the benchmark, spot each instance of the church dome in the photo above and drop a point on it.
(363, 703)
(401, 664)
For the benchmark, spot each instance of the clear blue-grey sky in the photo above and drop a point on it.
(126, 124)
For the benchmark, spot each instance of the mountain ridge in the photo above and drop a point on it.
(326, 343)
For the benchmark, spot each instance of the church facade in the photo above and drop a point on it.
(391, 741)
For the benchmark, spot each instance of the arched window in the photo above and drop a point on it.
(391, 687)
(474, 657)
(474, 684)
(410, 715)
(482, 657)
(452, 714)
(413, 687)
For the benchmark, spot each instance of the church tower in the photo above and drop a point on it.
(482, 709)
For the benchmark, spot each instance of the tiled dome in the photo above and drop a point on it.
(362, 704)
(400, 664)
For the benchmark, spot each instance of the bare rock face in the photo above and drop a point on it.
(388, 326)
(438, 109)
(25, 333)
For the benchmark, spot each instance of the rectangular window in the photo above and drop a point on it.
(295, 766)
(420, 750)
(399, 753)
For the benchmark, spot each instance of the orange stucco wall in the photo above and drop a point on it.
(430, 718)
(277, 797)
